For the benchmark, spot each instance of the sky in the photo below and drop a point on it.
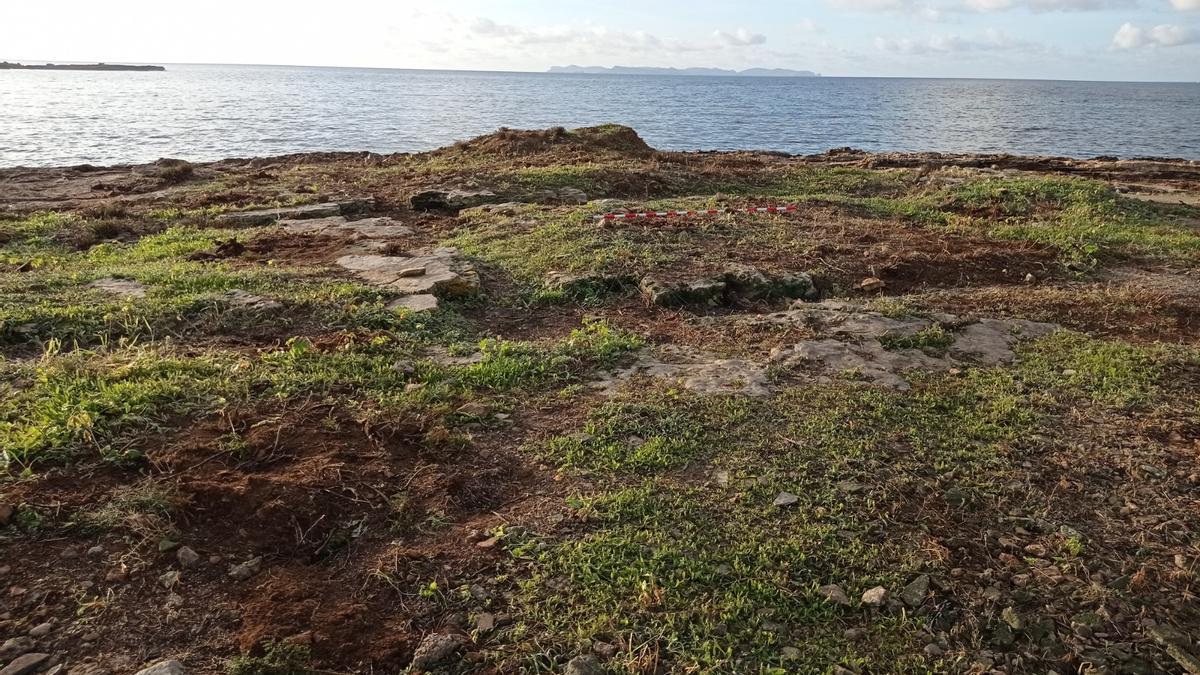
(1147, 40)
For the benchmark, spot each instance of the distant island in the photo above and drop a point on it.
(5, 65)
(716, 72)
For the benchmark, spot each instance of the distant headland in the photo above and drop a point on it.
(5, 65)
(712, 72)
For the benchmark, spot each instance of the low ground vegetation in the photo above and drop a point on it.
(219, 445)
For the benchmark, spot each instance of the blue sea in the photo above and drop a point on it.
(200, 112)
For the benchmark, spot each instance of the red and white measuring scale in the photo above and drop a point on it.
(634, 215)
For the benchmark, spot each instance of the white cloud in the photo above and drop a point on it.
(740, 38)
(1186, 5)
(809, 26)
(938, 9)
(988, 41)
(1129, 36)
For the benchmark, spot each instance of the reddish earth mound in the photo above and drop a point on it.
(610, 138)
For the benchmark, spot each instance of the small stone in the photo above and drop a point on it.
(95, 551)
(214, 559)
(416, 271)
(790, 653)
(490, 542)
(933, 651)
(422, 302)
(23, 665)
(165, 545)
(1012, 618)
(41, 630)
(186, 556)
(169, 579)
(1029, 278)
(992, 593)
(247, 569)
(875, 597)
(6, 514)
(914, 593)
(604, 650)
(485, 622)
(785, 499)
(834, 593)
(116, 575)
(1036, 550)
(872, 284)
(16, 646)
(434, 649)
(69, 553)
(165, 667)
(583, 665)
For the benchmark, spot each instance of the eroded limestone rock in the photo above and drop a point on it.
(696, 371)
(370, 228)
(123, 287)
(306, 211)
(737, 281)
(446, 274)
(414, 303)
(452, 200)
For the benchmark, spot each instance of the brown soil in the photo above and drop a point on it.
(344, 515)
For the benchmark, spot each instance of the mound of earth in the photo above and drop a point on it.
(604, 139)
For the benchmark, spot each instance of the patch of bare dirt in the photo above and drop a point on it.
(348, 520)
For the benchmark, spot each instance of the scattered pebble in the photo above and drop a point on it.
(604, 650)
(22, 665)
(95, 551)
(790, 653)
(914, 593)
(485, 622)
(872, 284)
(41, 630)
(583, 665)
(786, 499)
(834, 593)
(186, 556)
(247, 569)
(166, 667)
(933, 651)
(434, 649)
(875, 597)
(169, 579)
(16, 646)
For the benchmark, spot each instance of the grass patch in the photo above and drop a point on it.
(67, 401)
(1084, 219)
(276, 658)
(682, 555)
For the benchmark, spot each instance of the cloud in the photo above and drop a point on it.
(1129, 36)
(988, 41)
(938, 9)
(809, 26)
(740, 38)
(1048, 5)
(1186, 5)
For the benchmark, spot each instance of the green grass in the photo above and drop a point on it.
(67, 401)
(276, 658)
(680, 553)
(933, 340)
(1084, 219)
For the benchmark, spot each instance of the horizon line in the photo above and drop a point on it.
(547, 71)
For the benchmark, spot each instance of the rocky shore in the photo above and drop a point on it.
(431, 412)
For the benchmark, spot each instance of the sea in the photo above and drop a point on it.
(210, 112)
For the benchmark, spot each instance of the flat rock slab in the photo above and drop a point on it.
(446, 274)
(696, 371)
(414, 303)
(307, 211)
(369, 228)
(245, 300)
(126, 288)
(985, 342)
(23, 665)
